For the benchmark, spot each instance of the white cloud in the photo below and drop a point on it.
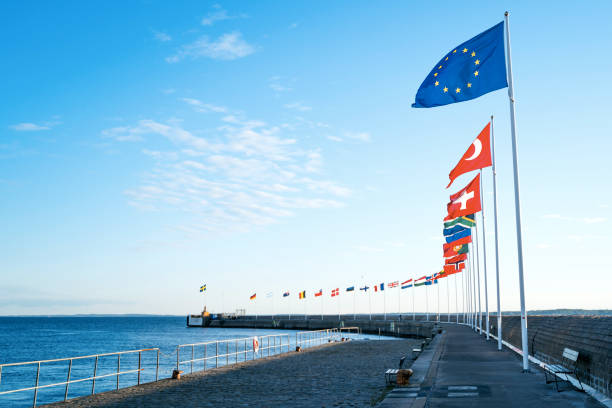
(28, 127)
(219, 14)
(248, 173)
(276, 84)
(361, 136)
(299, 106)
(594, 220)
(335, 138)
(161, 36)
(293, 26)
(204, 107)
(229, 46)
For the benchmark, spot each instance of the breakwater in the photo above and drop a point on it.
(590, 336)
(399, 328)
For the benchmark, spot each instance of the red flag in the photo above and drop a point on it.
(450, 269)
(477, 156)
(456, 259)
(455, 244)
(465, 201)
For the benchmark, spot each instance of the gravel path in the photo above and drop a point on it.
(347, 374)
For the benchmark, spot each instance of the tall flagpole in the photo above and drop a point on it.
(370, 303)
(463, 290)
(413, 288)
(473, 289)
(499, 317)
(517, 202)
(426, 300)
(448, 298)
(384, 304)
(469, 286)
(484, 256)
(354, 304)
(438, 284)
(478, 274)
(456, 301)
(399, 301)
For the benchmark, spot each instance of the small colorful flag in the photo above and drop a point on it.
(456, 259)
(302, 294)
(455, 249)
(319, 293)
(473, 159)
(381, 286)
(285, 294)
(421, 281)
(406, 284)
(253, 296)
(335, 292)
(365, 288)
(394, 284)
(453, 230)
(350, 289)
(466, 221)
(458, 236)
(203, 288)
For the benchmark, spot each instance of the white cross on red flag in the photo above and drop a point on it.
(466, 201)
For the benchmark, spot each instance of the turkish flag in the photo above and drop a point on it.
(456, 259)
(465, 201)
(478, 155)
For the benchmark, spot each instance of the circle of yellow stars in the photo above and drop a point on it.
(469, 84)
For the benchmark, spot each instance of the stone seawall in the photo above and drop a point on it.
(591, 336)
(399, 328)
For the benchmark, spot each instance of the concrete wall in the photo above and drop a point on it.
(401, 328)
(591, 336)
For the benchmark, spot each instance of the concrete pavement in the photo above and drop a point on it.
(465, 370)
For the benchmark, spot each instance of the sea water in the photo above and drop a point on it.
(42, 338)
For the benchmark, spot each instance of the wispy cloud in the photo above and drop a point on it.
(278, 84)
(248, 173)
(298, 106)
(293, 26)
(218, 14)
(361, 136)
(29, 127)
(229, 46)
(161, 36)
(200, 106)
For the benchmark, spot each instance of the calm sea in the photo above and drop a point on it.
(42, 338)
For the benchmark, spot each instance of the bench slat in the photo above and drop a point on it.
(570, 354)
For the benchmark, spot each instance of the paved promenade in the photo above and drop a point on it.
(347, 374)
(464, 370)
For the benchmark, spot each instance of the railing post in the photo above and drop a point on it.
(245, 350)
(236, 350)
(205, 356)
(68, 380)
(139, 365)
(36, 389)
(227, 353)
(93, 384)
(192, 356)
(118, 368)
(178, 354)
(156, 369)
(216, 354)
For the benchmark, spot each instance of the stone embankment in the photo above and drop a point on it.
(591, 336)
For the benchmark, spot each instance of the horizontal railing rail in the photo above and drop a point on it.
(69, 380)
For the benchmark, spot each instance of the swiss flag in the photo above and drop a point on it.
(478, 155)
(465, 201)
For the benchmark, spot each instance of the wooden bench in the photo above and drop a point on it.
(569, 360)
(391, 374)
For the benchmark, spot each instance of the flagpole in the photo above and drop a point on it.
(436, 281)
(517, 202)
(426, 301)
(370, 302)
(484, 256)
(448, 299)
(468, 297)
(463, 289)
(478, 275)
(499, 317)
(456, 301)
(384, 304)
(321, 305)
(399, 301)
(413, 288)
(474, 266)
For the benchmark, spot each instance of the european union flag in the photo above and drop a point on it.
(474, 68)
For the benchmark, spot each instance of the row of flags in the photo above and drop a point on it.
(422, 281)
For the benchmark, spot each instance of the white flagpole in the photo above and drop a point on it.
(426, 301)
(384, 304)
(438, 285)
(354, 304)
(399, 300)
(448, 298)
(321, 305)
(370, 303)
(456, 301)
(517, 203)
(468, 287)
(413, 288)
(463, 289)
(478, 272)
(484, 258)
(499, 317)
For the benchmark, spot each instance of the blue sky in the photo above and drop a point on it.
(148, 147)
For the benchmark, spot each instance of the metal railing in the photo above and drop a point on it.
(234, 350)
(316, 337)
(69, 380)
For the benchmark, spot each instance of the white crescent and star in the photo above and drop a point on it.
(477, 149)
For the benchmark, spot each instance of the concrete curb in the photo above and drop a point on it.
(413, 395)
